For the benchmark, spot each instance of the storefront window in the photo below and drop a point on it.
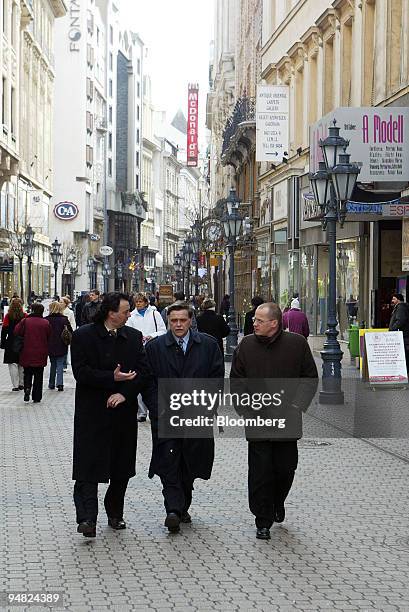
(263, 267)
(347, 284)
(308, 285)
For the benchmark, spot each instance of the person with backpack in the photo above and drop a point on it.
(11, 356)
(146, 319)
(58, 342)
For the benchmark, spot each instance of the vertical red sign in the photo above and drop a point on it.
(192, 123)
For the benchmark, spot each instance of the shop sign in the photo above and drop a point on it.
(272, 111)
(378, 141)
(385, 355)
(280, 200)
(405, 245)
(396, 210)
(310, 209)
(192, 124)
(74, 26)
(7, 264)
(66, 211)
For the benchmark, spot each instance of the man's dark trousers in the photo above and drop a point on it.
(177, 482)
(86, 499)
(271, 473)
(33, 377)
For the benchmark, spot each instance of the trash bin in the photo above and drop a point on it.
(353, 343)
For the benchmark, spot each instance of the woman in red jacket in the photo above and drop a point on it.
(11, 319)
(33, 357)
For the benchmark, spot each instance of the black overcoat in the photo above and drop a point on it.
(203, 359)
(105, 438)
(213, 324)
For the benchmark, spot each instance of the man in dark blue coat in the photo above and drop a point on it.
(182, 353)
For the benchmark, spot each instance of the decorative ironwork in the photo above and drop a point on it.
(244, 110)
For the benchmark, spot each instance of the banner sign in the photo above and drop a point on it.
(392, 208)
(405, 245)
(385, 355)
(192, 124)
(378, 141)
(272, 111)
(7, 264)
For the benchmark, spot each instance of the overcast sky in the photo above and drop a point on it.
(177, 34)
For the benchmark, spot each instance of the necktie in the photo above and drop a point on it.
(112, 332)
(181, 345)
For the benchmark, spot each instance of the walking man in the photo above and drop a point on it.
(110, 367)
(400, 321)
(182, 353)
(90, 309)
(271, 353)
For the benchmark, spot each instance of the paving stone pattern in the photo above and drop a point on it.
(343, 546)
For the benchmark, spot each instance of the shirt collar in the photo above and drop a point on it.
(184, 338)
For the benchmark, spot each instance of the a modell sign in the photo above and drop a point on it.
(378, 141)
(385, 354)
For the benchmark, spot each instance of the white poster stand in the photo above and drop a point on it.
(385, 354)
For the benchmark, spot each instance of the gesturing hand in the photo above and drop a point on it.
(115, 399)
(123, 376)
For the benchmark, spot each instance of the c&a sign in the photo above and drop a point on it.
(66, 211)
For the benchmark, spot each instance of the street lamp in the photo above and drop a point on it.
(56, 255)
(333, 185)
(232, 223)
(188, 254)
(106, 273)
(177, 264)
(119, 272)
(196, 241)
(91, 267)
(153, 280)
(72, 261)
(29, 252)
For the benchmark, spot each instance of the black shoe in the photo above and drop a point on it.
(60, 387)
(15, 389)
(20, 387)
(26, 396)
(36, 401)
(116, 523)
(279, 513)
(186, 518)
(263, 533)
(141, 419)
(172, 522)
(87, 528)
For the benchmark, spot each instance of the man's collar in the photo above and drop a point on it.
(170, 338)
(103, 331)
(186, 337)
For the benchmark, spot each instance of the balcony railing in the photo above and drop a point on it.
(244, 110)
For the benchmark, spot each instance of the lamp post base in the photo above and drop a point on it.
(232, 340)
(331, 397)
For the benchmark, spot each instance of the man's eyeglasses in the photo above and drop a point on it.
(255, 320)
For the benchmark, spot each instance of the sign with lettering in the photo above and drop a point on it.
(192, 124)
(74, 24)
(378, 141)
(385, 355)
(272, 111)
(66, 211)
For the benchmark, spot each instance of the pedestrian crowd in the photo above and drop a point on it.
(120, 347)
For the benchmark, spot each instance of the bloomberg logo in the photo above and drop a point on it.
(66, 211)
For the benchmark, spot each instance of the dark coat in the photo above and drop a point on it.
(56, 347)
(400, 320)
(7, 338)
(208, 322)
(284, 356)
(105, 438)
(36, 332)
(202, 359)
(89, 311)
(248, 322)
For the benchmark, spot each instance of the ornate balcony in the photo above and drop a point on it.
(239, 134)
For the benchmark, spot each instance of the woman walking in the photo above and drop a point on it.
(11, 319)
(149, 322)
(33, 357)
(57, 348)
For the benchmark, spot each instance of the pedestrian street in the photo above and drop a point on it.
(343, 546)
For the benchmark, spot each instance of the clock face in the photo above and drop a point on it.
(214, 231)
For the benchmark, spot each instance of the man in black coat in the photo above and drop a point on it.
(400, 321)
(110, 367)
(209, 322)
(256, 301)
(271, 353)
(182, 353)
(91, 308)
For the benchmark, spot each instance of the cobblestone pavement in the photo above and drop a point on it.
(343, 546)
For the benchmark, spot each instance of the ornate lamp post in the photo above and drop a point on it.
(29, 252)
(153, 280)
(232, 223)
(119, 273)
(188, 254)
(333, 185)
(72, 261)
(196, 241)
(91, 267)
(106, 273)
(56, 255)
(178, 268)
